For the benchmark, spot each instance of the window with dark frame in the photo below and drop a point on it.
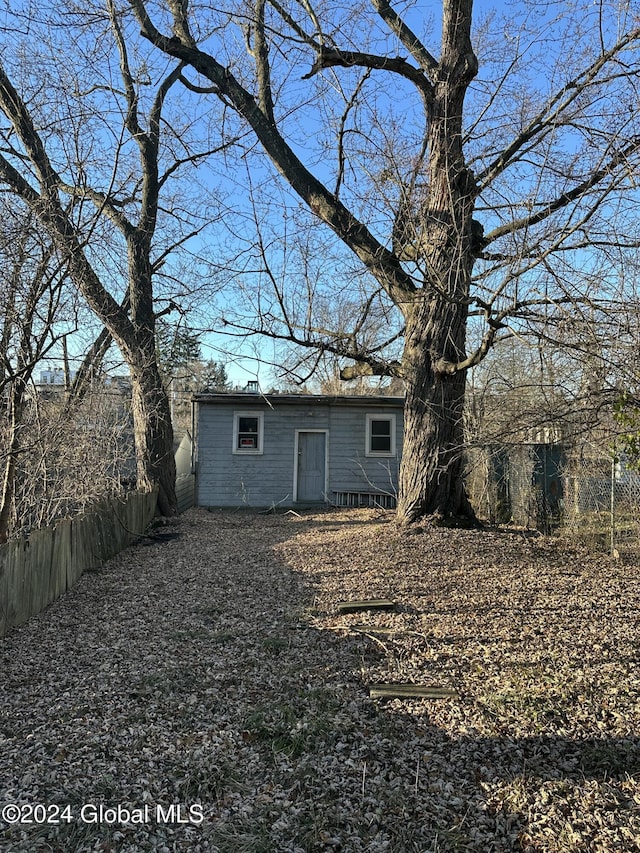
(381, 435)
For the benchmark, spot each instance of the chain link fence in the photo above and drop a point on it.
(602, 504)
(582, 494)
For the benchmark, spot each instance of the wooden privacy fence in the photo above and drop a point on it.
(37, 569)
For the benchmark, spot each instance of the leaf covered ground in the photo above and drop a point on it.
(206, 672)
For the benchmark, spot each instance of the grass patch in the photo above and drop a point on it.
(197, 780)
(275, 645)
(222, 637)
(190, 635)
(533, 696)
(247, 837)
(297, 727)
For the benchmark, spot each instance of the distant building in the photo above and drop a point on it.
(52, 376)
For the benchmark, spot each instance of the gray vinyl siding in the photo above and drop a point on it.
(225, 478)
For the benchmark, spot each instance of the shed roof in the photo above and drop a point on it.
(248, 397)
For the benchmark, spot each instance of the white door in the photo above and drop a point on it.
(312, 458)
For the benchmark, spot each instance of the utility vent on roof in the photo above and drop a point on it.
(366, 499)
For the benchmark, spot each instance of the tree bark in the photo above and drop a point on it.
(431, 471)
(151, 410)
(7, 495)
(432, 468)
(153, 435)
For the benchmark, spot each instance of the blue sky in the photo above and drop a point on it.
(226, 181)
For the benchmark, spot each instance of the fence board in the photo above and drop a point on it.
(61, 559)
(186, 491)
(19, 588)
(3, 595)
(37, 570)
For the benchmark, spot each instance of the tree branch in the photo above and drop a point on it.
(332, 57)
(409, 39)
(261, 56)
(566, 198)
(344, 349)
(382, 264)
(46, 205)
(550, 117)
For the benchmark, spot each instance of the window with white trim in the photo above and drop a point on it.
(381, 435)
(248, 428)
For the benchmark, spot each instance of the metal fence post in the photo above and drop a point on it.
(613, 506)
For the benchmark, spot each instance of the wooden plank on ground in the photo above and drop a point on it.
(366, 604)
(410, 691)
(362, 628)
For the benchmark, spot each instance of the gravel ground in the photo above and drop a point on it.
(201, 692)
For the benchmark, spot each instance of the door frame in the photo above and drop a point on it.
(296, 448)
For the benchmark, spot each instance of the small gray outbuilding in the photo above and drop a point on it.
(262, 450)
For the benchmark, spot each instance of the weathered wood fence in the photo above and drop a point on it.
(185, 491)
(37, 569)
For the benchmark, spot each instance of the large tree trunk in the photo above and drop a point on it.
(150, 404)
(153, 435)
(431, 472)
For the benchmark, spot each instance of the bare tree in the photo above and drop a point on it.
(484, 199)
(32, 296)
(67, 464)
(104, 217)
